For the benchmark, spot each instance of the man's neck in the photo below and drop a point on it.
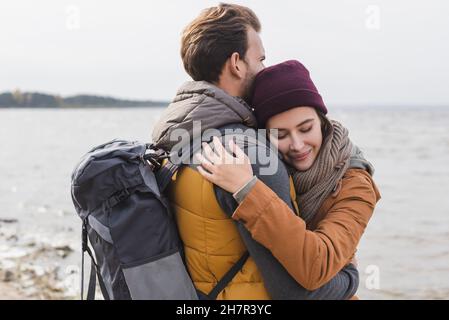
(232, 90)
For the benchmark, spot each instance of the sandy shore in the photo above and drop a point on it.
(33, 268)
(8, 292)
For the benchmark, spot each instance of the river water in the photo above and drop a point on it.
(404, 253)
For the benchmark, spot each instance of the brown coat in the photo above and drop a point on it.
(312, 257)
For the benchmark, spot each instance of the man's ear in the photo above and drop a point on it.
(236, 65)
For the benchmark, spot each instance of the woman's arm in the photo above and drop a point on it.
(277, 280)
(311, 257)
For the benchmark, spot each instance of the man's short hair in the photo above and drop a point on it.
(210, 39)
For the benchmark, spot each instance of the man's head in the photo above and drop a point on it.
(222, 46)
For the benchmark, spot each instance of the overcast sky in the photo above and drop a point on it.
(391, 52)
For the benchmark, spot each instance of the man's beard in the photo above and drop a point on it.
(248, 87)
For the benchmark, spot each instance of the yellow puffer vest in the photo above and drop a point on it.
(212, 242)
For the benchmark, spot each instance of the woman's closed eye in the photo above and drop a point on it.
(305, 130)
(283, 134)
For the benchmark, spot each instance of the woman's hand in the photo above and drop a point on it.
(222, 168)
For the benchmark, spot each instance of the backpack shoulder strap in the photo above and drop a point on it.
(165, 174)
(94, 271)
(224, 281)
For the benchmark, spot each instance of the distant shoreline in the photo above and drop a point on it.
(85, 107)
(20, 100)
(36, 100)
(332, 109)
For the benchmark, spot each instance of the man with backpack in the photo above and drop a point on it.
(222, 52)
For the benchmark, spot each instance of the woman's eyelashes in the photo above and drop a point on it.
(283, 135)
(305, 130)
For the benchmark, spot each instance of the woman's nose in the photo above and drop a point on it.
(296, 143)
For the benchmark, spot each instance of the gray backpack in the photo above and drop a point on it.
(118, 192)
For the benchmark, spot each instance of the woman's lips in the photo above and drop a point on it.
(302, 156)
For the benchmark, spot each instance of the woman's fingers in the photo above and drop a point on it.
(220, 150)
(219, 155)
(205, 163)
(205, 174)
(222, 168)
(210, 154)
(240, 155)
(236, 149)
(218, 146)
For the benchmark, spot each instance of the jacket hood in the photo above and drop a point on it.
(358, 161)
(200, 101)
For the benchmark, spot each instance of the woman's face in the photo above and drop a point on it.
(298, 137)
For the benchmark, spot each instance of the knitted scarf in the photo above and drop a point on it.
(317, 183)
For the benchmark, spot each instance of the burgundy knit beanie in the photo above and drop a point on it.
(282, 87)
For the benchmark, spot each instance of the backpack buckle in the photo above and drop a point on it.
(122, 195)
(154, 157)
